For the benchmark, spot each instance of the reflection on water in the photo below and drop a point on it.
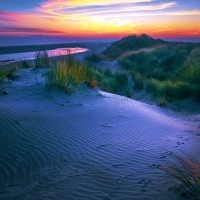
(8, 58)
(66, 51)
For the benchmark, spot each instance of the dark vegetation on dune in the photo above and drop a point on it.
(167, 70)
(129, 43)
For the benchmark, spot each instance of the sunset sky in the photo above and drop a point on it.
(100, 18)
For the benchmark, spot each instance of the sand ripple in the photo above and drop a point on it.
(109, 147)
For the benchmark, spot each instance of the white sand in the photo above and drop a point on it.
(90, 145)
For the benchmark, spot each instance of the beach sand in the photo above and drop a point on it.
(88, 145)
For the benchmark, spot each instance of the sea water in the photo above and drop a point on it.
(8, 58)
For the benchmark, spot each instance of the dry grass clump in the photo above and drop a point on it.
(69, 74)
(187, 174)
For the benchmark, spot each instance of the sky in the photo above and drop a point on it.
(100, 18)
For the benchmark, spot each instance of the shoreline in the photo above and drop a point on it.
(95, 47)
(92, 46)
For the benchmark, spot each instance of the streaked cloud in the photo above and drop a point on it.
(32, 30)
(110, 17)
(74, 3)
(60, 7)
(169, 29)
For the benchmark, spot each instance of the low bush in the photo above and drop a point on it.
(169, 89)
(196, 93)
(169, 71)
(138, 80)
(191, 71)
(112, 82)
(93, 58)
(121, 78)
(107, 73)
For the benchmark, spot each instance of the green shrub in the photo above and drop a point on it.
(196, 93)
(138, 80)
(158, 73)
(183, 90)
(155, 87)
(191, 71)
(174, 90)
(93, 58)
(107, 73)
(113, 85)
(111, 82)
(121, 78)
(125, 64)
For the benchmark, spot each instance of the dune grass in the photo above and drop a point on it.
(167, 72)
(42, 59)
(3, 74)
(175, 90)
(7, 73)
(187, 174)
(129, 43)
(68, 74)
(114, 82)
(170, 71)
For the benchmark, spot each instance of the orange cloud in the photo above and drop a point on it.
(87, 18)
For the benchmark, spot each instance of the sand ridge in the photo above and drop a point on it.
(89, 145)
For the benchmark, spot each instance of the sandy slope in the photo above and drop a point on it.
(90, 145)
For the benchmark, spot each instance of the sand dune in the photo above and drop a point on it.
(90, 145)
